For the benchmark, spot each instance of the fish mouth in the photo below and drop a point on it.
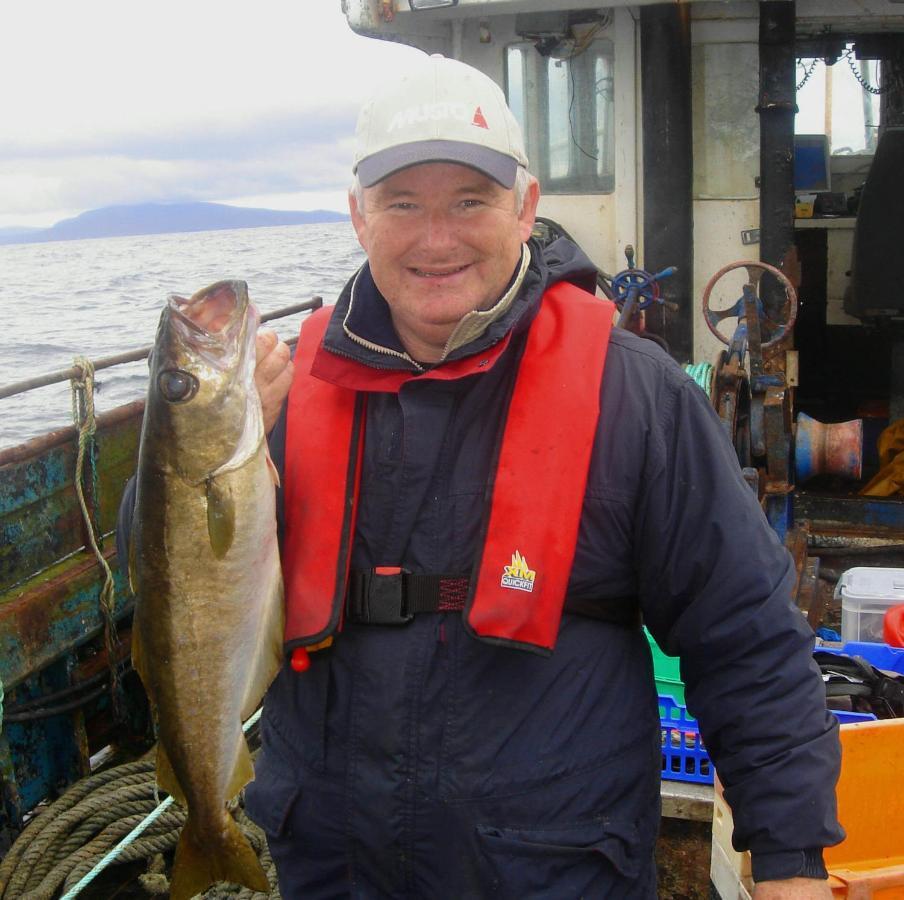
(216, 310)
(213, 321)
(205, 357)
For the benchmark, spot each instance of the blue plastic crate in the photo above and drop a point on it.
(849, 718)
(890, 659)
(684, 758)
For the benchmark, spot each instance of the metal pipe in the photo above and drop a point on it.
(776, 108)
(19, 387)
(665, 43)
(457, 38)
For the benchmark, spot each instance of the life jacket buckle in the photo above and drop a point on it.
(378, 597)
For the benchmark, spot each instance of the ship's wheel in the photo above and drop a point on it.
(741, 383)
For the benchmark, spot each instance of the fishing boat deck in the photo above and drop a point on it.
(690, 802)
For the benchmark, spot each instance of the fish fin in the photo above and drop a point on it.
(166, 776)
(220, 517)
(138, 663)
(268, 655)
(199, 863)
(243, 771)
(133, 567)
(271, 467)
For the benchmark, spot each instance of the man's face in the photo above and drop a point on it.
(442, 240)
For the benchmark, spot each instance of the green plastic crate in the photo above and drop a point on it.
(667, 671)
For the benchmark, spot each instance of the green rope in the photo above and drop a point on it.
(702, 374)
(84, 418)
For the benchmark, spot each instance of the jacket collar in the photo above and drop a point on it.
(361, 325)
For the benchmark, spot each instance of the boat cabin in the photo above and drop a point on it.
(705, 133)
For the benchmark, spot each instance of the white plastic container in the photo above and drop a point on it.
(866, 593)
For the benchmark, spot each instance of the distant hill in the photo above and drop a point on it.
(17, 232)
(164, 218)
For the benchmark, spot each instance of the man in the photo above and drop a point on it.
(484, 488)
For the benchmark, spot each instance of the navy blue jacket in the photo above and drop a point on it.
(419, 761)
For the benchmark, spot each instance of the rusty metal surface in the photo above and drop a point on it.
(731, 401)
(777, 425)
(841, 514)
(56, 722)
(68, 434)
(39, 759)
(796, 543)
(40, 518)
(54, 613)
(50, 612)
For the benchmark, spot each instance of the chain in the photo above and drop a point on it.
(849, 56)
(808, 71)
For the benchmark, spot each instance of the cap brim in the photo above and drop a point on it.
(498, 166)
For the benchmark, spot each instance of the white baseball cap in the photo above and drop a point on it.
(439, 110)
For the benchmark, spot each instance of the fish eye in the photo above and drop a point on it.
(177, 386)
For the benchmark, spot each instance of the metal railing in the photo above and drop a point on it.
(28, 384)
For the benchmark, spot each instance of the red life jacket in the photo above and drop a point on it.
(518, 587)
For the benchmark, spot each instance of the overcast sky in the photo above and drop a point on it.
(112, 101)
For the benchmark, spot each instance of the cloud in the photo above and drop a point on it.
(193, 137)
(204, 100)
(212, 172)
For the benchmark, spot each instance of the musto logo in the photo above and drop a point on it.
(518, 576)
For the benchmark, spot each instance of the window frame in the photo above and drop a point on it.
(577, 180)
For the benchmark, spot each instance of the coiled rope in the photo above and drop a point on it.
(702, 374)
(111, 817)
(86, 423)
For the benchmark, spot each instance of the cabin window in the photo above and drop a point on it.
(836, 101)
(564, 104)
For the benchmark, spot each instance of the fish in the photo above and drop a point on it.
(204, 565)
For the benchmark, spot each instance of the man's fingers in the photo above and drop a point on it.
(271, 362)
(272, 375)
(265, 342)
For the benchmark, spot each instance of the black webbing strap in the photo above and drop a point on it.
(624, 611)
(394, 597)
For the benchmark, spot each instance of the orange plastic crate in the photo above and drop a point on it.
(869, 862)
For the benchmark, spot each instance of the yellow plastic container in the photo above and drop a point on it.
(804, 205)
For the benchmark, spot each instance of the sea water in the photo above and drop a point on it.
(101, 297)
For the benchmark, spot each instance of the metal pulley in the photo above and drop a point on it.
(754, 403)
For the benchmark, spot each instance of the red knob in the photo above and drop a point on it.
(894, 626)
(301, 660)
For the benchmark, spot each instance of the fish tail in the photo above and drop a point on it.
(199, 865)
